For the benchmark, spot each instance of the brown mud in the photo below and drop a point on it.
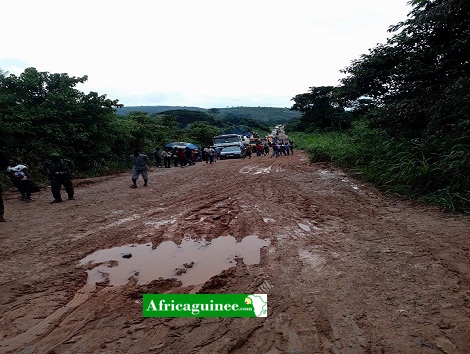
(346, 269)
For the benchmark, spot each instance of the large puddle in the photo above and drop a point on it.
(192, 262)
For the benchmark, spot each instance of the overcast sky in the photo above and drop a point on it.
(205, 53)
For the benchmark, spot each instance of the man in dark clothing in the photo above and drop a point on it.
(266, 149)
(174, 156)
(189, 156)
(60, 173)
(157, 157)
(203, 154)
(181, 157)
(141, 162)
(248, 152)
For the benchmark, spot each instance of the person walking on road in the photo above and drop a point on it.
(210, 152)
(189, 156)
(166, 158)
(248, 152)
(276, 150)
(60, 173)
(181, 157)
(20, 177)
(157, 156)
(141, 163)
(174, 156)
(287, 146)
(266, 149)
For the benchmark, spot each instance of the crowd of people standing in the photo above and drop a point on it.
(60, 170)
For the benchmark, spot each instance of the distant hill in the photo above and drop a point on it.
(271, 115)
(264, 114)
(156, 109)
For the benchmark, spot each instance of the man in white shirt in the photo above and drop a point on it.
(20, 177)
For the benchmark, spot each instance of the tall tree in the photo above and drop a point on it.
(421, 76)
(320, 110)
(42, 112)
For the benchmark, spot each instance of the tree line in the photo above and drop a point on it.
(43, 113)
(401, 113)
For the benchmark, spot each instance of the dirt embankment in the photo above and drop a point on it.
(346, 269)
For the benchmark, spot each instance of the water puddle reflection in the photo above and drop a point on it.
(192, 262)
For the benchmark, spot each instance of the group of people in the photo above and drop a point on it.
(58, 170)
(182, 157)
(179, 156)
(278, 148)
(209, 154)
(282, 148)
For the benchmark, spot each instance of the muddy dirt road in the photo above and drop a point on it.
(346, 269)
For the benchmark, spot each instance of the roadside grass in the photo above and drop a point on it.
(416, 170)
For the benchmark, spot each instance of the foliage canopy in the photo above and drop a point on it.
(411, 98)
(41, 113)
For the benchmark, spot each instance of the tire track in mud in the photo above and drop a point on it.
(304, 241)
(50, 322)
(267, 202)
(221, 209)
(207, 217)
(348, 270)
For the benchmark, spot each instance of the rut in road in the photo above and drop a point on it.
(347, 269)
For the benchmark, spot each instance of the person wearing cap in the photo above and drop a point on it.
(60, 173)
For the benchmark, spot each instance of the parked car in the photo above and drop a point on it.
(232, 151)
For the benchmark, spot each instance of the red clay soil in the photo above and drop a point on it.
(347, 269)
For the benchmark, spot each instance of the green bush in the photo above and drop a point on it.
(416, 169)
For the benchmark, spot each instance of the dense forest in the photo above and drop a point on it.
(400, 116)
(42, 113)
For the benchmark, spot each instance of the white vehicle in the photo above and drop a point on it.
(246, 140)
(221, 141)
(232, 151)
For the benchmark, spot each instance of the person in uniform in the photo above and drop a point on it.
(141, 163)
(60, 173)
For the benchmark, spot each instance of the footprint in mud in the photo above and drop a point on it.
(213, 217)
